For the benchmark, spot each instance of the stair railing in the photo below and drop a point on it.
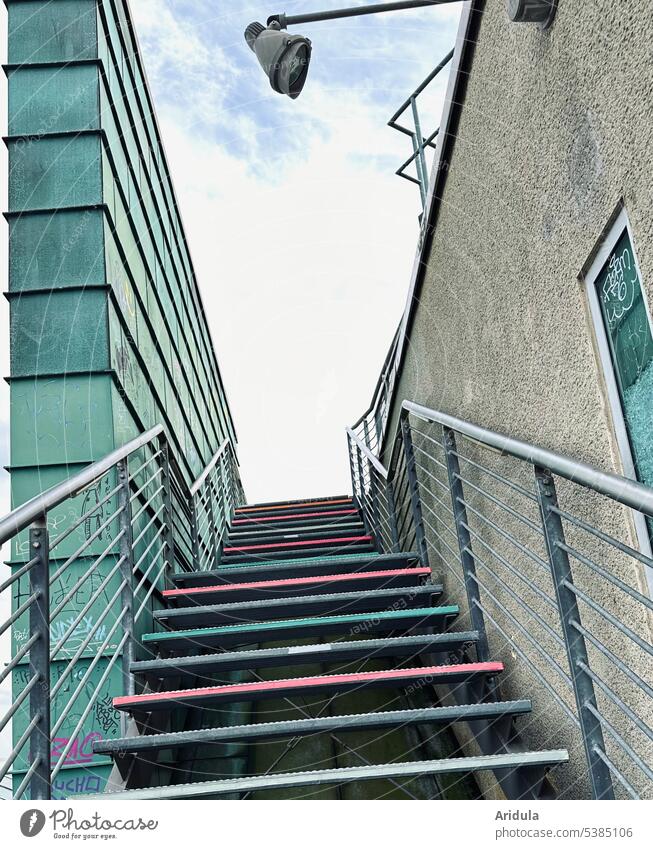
(543, 547)
(89, 560)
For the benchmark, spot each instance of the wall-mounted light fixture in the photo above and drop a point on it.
(285, 58)
(540, 12)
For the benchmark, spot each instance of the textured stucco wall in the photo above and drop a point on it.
(556, 130)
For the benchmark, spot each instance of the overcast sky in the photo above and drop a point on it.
(302, 237)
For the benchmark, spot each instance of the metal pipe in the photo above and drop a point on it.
(420, 88)
(352, 11)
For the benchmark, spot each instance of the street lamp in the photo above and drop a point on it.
(285, 58)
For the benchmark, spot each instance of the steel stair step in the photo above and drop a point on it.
(257, 632)
(280, 550)
(250, 536)
(283, 608)
(264, 731)
(346, 682)
(296, 568)
(345, 514)
(384, 579)
(278, 781)
(211, 664)
(307, 504)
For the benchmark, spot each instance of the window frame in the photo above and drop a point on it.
(609, 240)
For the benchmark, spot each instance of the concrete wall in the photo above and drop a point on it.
(556, 130)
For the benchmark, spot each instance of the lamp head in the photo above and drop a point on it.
(283, 57)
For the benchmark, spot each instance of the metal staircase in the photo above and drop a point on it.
(373, 620)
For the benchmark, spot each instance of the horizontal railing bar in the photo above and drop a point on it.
(150, 544)
(621, 626)
(19, 745)
(98, 531)
(596, 567)
(89, 671)
(19, 574)
(623, 745)
(36, 763)
(83, 518)
(610, 694)
(84, 576)
(55, 651)
(153, 518)
(13, 708)
(133, 474)
(626, 549)
(499, 503)
(146, 574)
(552, 663)
(628, 787)
(511, 568)
(441, 538)
(89, 706)
(520, 601)
(16, 659)
(137, 615)
(605, 651)
(431, 476)
(621, 489)
(509, 538)
(19, 612)
(430, 457)
(497, 477)
(560, 702)
(439, 518)
(137, 515)
(141, 489)
(35, 508)
(209, 466)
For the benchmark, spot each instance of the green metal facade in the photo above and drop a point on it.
(108, 331)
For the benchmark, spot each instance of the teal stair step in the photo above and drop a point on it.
(265, 731)
(284, 608)
(318, 778)
(258, 632)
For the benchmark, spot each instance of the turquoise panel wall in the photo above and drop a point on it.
(108, 332)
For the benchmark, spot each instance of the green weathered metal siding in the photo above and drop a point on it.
(108, 333)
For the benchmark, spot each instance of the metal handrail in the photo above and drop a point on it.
(120, 551)
(626, 491)
(22, 517)
(584, 638)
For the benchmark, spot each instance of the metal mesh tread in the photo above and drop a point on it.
(279, 781)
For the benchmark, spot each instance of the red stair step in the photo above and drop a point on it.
(275, 689)
(300, 582)
(274, 508)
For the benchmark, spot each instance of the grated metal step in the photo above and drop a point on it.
(258, 632)
(223, 662)
(317, 778)
(265, 731)
(283, 608)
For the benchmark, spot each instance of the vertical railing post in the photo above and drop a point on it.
(350, 445)
(213, 530)
(413, 488)
(39, 660)
(126, 554)
(195, 542)
(418, 146)
(361, 483)
(373, 490)
(465, 543)
(168, 533)
(574, 641)
(392, 513)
